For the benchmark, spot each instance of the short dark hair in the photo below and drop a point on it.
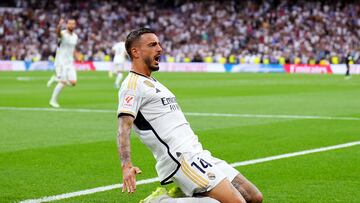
(134, 36)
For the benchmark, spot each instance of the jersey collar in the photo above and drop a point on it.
(143, 75)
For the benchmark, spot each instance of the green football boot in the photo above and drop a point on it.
(175, 192)
(156, 196)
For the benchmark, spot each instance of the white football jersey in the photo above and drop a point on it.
(159, 122)
(65, 50)
(120, 52)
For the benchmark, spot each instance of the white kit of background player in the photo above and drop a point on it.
(119, 61)
(64, 59)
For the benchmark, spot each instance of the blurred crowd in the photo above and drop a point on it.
(267, 31)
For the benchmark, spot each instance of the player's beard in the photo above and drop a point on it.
(148, 61)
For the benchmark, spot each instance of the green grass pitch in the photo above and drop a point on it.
(45, 153)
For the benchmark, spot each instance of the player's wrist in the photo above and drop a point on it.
(126, 165)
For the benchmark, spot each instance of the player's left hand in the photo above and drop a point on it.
(129, 178)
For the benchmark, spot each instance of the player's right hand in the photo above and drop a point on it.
(129, 178)
(61, 21)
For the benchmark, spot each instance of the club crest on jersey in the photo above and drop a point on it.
(211, 176)
(128, 101)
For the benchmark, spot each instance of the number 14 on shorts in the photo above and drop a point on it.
(202, 165)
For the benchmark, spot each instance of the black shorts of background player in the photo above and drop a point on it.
(347, 62)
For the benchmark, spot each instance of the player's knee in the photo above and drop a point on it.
(257, 198)
(73, 83)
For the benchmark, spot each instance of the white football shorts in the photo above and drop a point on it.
(118, 67)
(66, 73)
(200, 172)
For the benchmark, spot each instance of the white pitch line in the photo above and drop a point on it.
(282, 156)
(151, 180)
(56, 110)
(273, 116)
(86, 192)
(187, 113)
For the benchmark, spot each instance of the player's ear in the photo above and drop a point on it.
(134, 52)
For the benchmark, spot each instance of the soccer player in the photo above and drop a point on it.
(348, 59)
(152, 110)
(119, 61)
(64, 59)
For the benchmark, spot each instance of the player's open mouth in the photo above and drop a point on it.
(157, 59)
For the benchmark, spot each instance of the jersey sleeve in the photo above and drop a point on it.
(130, 98)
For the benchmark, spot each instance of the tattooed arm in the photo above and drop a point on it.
(128, 170)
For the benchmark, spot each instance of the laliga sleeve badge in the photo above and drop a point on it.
(128, 102)
(211, 176)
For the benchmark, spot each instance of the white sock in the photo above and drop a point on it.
(110, 74)
(188, 200)
(56, 91)
(51, 80)
(118, 79)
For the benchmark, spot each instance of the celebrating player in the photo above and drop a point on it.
(152, 110)
(119, 60)
(64, 59)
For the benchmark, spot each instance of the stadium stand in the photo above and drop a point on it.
(269, 31)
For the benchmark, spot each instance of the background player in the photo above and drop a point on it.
(348, 60)
(149, 107)
(64, 59)
(119, 61)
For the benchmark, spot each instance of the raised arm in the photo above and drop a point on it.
(128, 170)
(58, 28)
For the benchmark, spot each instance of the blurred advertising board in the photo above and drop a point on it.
(191, 67)
(188, 67)
(255, 68)
(40, 65)
(12, 66)
(307, 68)
(85, 66)
(341, 69)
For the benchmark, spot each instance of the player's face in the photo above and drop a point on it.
(150, 51)
(71, 25)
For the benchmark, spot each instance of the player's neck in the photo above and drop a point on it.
(140, 69)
